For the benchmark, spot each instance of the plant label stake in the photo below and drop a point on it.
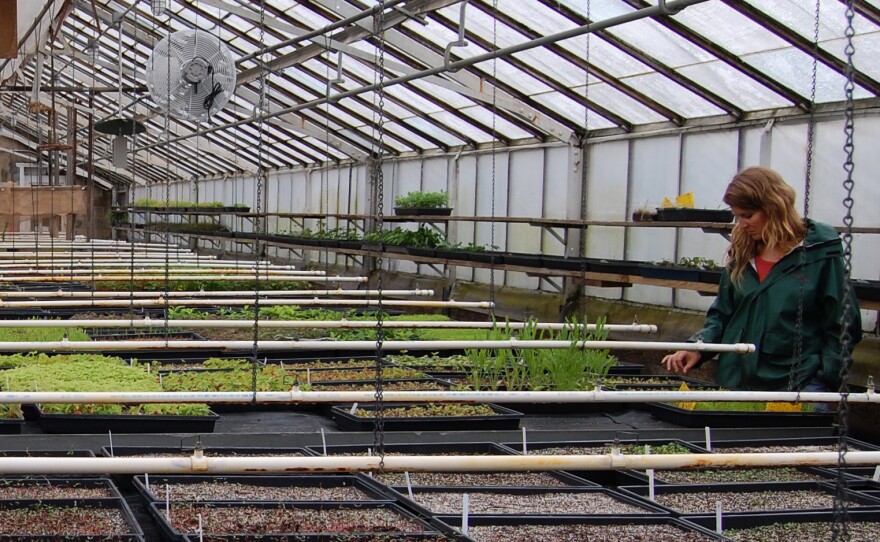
(525, 447)
(168, 502)
(308, 375)
(147, 480)
(876, 476)
(323, 441)
(110, 436)
(160, 381)
(650, 473)
(465, 504)
(354, 408)
(708, 438)
(718, 527)
(408, 485)
(201, 532)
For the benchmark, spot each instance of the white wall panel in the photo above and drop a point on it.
(484, 199)
(557, 190)
(525, 199)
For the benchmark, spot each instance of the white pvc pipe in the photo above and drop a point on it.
(297, 396)
(314, 324)
(310, 302)
(80, 264)
(139, 278)
(92, 346)
(202, 464)
(201, 293)
(15, 274)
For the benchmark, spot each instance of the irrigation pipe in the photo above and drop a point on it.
(142, 278)
(202, 293)
(31, 264)
(106, 346)
(367, 397)
(200, 463)
(291, 301)
(15, 274)
(317, 324)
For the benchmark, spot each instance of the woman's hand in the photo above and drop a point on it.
(681, 361)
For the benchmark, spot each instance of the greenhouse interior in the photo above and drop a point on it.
(455, 270)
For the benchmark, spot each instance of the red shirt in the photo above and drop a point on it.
(763, 267)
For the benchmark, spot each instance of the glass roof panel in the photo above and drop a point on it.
(451, 98)
(464, 128)
(502, 126)
(729, 83)
(435, 130)
(572, 110)
(674, 96)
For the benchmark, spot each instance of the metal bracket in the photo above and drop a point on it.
(666, 10)
(553, 284)
(339, 78)
(460, 42)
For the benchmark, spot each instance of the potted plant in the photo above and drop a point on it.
(423, 203)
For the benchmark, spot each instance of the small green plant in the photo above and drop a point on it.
(698, 262)
(423, 199)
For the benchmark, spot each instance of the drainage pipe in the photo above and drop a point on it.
(200, 463)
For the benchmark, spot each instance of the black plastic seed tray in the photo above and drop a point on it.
(135, 533)
(854, 498)
(604, 528)
(125, 334)
(573, 495)
(748, 520)
(503, 418)
(105, 484)
(11, 426)
(600, 477)
(126, 423)
(371, 490)
(423, 448)
(716, 418)
(412, 526)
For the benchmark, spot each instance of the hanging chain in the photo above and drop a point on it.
(379, 425)
(797, 355)
(258, 204)
(168, 157)
(839, 529)
(582, 242)
(494, 148)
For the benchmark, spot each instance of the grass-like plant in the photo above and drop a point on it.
(423, 199)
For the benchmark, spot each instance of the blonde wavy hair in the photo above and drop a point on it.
(761, 188)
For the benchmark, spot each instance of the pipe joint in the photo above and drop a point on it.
(198, 461)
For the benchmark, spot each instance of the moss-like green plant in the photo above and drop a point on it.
(423, 199)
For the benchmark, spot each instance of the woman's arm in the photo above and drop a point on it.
(832, 311)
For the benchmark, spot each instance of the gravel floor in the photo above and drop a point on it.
(537, 503)
(582, 533)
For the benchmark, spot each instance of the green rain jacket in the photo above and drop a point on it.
(765, 313)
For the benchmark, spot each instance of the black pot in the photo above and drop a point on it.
(423, 211)
(680, 214)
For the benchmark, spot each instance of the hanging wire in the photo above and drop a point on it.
(379, 411)
(840, 528)
(582, 241)
(494, 147)
(258, 203)
(168, 157)
(794, 375)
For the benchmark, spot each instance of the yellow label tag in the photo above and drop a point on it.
(667, 203)
(784, 407)
(687, 405)
(685, 200)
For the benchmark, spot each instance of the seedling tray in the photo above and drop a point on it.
(853, 498)
(601, 527)
(748, 520)
(421, 448)
(126, 423)
(8, 485)
(407, 523)
(681, 214)
(11, 426)
(503, 419)
(573, 494)
(367, 488)
(715, 418)
(135, 534)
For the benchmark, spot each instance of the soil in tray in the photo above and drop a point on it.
(249, 519)
(742, 476)
(695, 502)
(52, 488)
(479, 479)
(48, 521)
(256, 488)
(584, 532)
(859, 531)
(532, 502)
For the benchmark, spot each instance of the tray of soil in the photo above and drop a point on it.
(736, 475)
(121, 334)
(605, 477)
(11, 426)
(296, 487)
(428, 417)
(736, 414)
(654, 382)
(523, 501)
(565, 263)
(127, 423)
(587, 529)
(669, 272)
(419, 448)
(69, 520)
(813, 526)
(696, 499)
(499, 480)
(523, 260)
(613, 267)
(682, 214)
(45, 488)
(259, 521)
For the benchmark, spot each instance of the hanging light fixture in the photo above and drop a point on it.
(158, 7)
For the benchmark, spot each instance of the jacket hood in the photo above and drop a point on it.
(818, 233)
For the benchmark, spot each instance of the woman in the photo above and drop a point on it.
(761, 290)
